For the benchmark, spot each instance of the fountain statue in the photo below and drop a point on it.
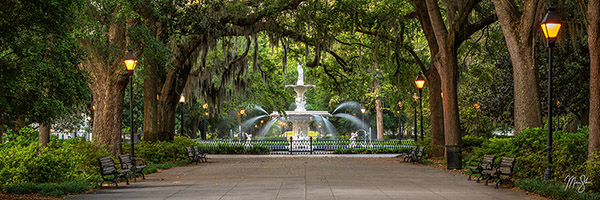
(300, 117)
(248, 139)
(300, 75)
(353, 139)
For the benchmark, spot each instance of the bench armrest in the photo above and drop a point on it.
(139, 161)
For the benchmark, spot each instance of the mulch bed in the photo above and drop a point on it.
(26, 196)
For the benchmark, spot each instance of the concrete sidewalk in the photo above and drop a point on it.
(304, 177)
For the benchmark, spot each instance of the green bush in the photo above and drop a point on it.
(500, 147)
(50, 189)
(553, 190)
(60, 161)
(569, 153)
(382, 150)
(226, 147)
(23, 137)
(162, 151)
(593, 172)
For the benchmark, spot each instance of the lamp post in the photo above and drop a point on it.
(420, 83)
(476, 119)
(550, 26)
(242, 112)
(320, 131)
(205, 106)
(399, 120)
(130, 64)
(363, 110)
(415, 126)
(181, 100)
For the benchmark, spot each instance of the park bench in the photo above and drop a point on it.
(109, 171)
(201, 154)
(126, 163)
(191, 155)
(487, 163)
(504, 168)
(412, 150)
(415, 156)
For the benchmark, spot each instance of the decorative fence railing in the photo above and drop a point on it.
(312, 145)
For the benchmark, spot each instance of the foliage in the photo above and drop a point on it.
(162, 151)
(61, 161)
(569, 153)
(23, 137)
(529, 148)
(39, 77)
(382, 150)
(500, 147)
(224, 147)
(593, 171)
(50, 189)
(553, 190)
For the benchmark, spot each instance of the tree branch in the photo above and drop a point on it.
(470, 29)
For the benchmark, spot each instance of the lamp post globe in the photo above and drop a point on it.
(550, 27)
(181, 101)
(242, 112)
(205, 107)
(363, 110)
(420, 83)
(130, 64)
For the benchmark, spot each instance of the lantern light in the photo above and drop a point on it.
(130, 61)
(420, 81)
(551, 24)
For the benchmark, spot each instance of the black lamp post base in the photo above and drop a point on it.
(547, 174)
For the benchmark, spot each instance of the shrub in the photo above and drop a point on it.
(553, 190)
(162, 151)
(500, 147)
(50, 189)
(60, 161)
(23, 137)
(569, 153)
(593, 172)
(227, 147)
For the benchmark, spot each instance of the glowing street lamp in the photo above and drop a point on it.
(130, 64)
(550, 26)
(182, 101)
(476, 119)
(242, 112)
(420, 83)
(399, 120)
(205, 106)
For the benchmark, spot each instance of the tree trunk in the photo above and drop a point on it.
(518, 33)
(437, 117)
(449, 81)
(594, 48)
(44, 136)
(151, 105)
(174, 84)
(152, 82)
(379, 119)
(194, 125)
(109, 93)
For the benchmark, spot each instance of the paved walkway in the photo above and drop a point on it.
(304, 177)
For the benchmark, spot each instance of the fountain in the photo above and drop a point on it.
(300, 117)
